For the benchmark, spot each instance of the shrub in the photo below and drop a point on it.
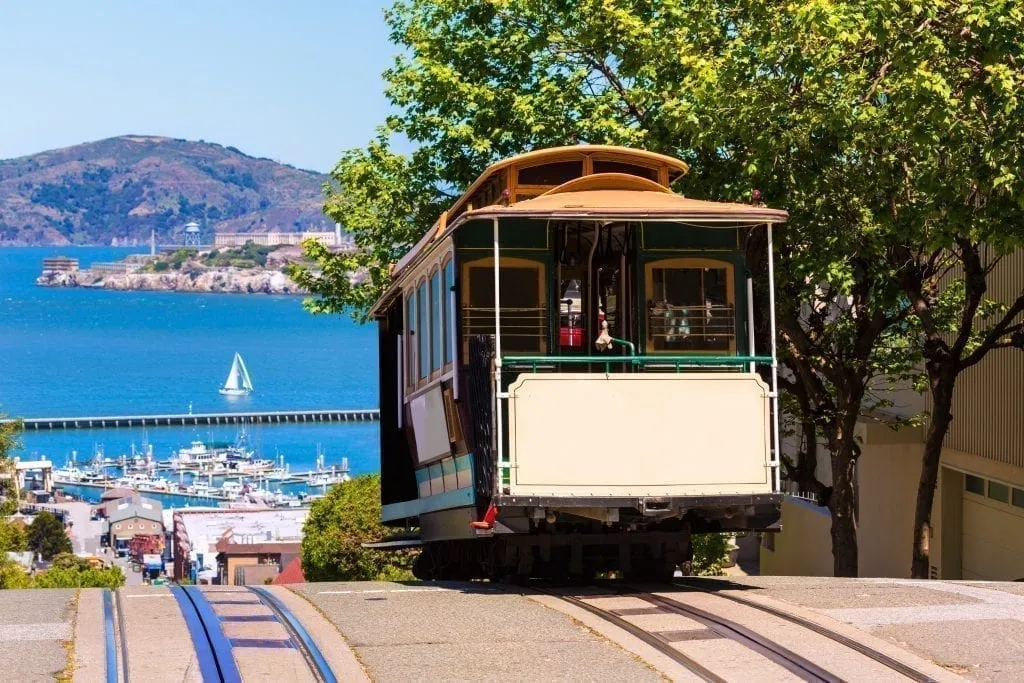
(709, 554)
(338, 525)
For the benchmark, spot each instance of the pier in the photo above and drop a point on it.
(268, 417)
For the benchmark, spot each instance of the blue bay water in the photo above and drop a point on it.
(79, 352)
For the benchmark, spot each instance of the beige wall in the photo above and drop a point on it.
(236, 561)
(988, 407)
(139, 527)
(804, 546)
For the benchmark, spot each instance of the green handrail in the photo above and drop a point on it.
(639, 361)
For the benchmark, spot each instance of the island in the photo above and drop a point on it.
(248, 269)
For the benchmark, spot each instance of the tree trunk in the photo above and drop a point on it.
(941, 417)
(843, 506)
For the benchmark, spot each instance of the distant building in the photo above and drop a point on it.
(271, 239)
(197, 533)
(131, 517)
(60, 264)
(249, 560)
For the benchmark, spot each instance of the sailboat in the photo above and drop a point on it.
(238, 382)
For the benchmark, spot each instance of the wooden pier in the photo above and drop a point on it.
(269, 417)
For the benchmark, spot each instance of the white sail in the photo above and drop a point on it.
(246, 380)
(238, 381)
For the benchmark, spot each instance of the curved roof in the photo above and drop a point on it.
(619, 196)
(538, 156)
(117, 494)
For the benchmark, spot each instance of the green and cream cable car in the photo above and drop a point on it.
(568, 378)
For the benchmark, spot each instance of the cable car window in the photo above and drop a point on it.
(630, 169)
(551, 174)
(437, 322)
(524, 324)
(410, 338)
(423, 329)
(449, 315)
(690, 306)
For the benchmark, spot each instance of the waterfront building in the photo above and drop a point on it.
(131, 517)
(336, 238)
(60, 264)
(978, 509)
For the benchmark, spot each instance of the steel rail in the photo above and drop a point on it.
(307, 646)
(122, 630)
(866, 650)
(661, 645)
(796, 664)
(110, 640)
(213, 649)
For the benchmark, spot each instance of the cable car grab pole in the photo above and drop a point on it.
(500, 446)
(777, 456)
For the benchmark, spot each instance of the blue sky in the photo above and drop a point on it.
(294, 81)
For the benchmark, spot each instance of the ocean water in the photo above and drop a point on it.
(81, 352)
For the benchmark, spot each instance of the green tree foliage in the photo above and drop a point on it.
(890, 131)
(9, 442)
(47, 537)
(338, 525)
(69, 571)
(13, 576)
(709, 554)
(13, 537)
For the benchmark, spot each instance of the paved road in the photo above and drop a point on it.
(424, 632)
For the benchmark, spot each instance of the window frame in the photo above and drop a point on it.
(435, 295)
(447, 291)
(422, 322)
(514, 262)
(682, 263)
(411, 339)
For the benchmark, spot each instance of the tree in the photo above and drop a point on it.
(338, 525)
(12, 537)
(9, 443)
(47, 537)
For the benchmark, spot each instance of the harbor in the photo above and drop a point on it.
(217, 472)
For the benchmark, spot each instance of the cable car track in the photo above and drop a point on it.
(770, 649)
(214, 650)
(880, 657)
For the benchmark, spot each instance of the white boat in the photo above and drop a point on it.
(238, 382)
(198, 455)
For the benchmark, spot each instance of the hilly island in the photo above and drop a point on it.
(116, 191)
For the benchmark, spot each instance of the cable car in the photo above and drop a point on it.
(569, 382)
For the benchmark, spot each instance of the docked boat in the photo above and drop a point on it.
(238, 382)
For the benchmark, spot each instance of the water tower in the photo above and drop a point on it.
(192, 234)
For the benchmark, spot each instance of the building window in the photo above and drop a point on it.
(449, 315)
(423, 329)
(690, 306)
(974, 484)
(152, 526)
(1018, 498)
(130, 526)
(117, 527)
(436, 322)
(1000, 492)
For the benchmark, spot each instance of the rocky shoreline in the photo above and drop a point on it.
(215, 280)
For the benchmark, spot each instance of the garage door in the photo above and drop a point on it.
(993, 530)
